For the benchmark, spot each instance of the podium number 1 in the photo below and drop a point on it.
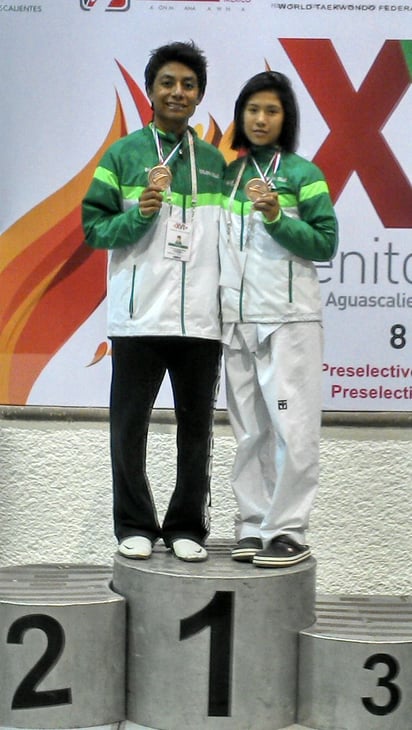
(218, 615)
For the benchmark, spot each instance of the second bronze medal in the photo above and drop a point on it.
(255, 188)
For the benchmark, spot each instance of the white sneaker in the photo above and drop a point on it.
(189, 550)
(138, 547)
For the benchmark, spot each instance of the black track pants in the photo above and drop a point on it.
(139, 366)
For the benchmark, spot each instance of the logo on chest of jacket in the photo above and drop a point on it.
(209, 173)
(282, 405)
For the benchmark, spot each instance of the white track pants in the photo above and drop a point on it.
(274, 406)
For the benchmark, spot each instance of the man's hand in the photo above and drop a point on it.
(150, 200)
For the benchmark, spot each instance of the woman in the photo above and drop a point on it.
(277, 219)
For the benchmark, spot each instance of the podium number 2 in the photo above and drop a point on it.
(26, 695)
(218, 615)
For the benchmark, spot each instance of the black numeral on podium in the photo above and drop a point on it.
(26, 695)
(394, 693)
(218, 615)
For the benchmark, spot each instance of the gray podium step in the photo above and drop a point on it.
(62, 648)
(213, 645)
(356, 664)
(133, 726)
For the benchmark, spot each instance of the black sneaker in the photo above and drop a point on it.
(281, 552)
(246, 548)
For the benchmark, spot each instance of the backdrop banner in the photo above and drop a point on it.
(72, 83)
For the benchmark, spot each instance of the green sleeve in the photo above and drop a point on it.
(106, 224)
(314, 235)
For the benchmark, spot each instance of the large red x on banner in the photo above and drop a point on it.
(355, 118)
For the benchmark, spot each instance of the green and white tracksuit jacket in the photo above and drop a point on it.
(149, 294)
(267, 270)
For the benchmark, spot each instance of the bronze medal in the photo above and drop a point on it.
(160, 176)
(255, 188)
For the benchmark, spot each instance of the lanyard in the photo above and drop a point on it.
(230, 208)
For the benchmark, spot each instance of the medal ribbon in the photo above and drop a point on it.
(192, 157)
(275, 161)
(162, 160)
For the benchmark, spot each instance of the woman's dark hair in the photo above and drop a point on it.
(187, 53)
(280, 84)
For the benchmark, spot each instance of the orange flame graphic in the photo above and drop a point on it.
(50, 281)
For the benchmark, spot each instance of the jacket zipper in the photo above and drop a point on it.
(183, 281)
(131, 300)
(242, 230)
(290, 283)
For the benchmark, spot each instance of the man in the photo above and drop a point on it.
(154, 202)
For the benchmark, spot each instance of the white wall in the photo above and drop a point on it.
(55, 502)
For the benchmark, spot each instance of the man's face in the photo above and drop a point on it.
(174, 95)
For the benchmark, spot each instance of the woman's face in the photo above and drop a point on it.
(263, 118)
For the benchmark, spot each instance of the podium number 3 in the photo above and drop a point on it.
(218, 615)
(394, 693)
(26, 695)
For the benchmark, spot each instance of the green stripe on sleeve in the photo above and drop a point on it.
(106, 176)
(313, 189)
(288, 200)
(132, 192)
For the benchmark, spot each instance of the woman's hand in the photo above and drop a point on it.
(268, 204)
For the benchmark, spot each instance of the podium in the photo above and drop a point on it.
(62, 647)
(356, 664)
(213, 645)
(208, 646)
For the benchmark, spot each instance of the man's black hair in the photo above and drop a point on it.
(182, 52)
